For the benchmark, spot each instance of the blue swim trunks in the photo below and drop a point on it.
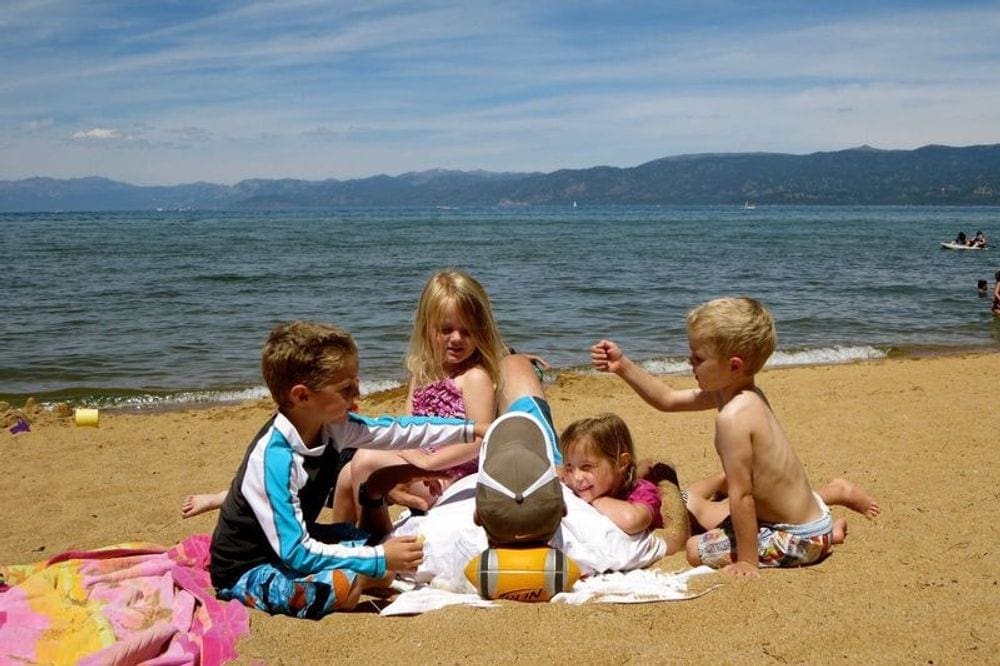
(278, 590)
(539, 408)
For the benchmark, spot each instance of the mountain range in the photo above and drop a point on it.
(934, 174)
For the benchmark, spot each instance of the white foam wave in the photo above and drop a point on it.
(821, 356)
(148, 401)
(825, 356)
(667, 366)
(662, 366)
(185, 398)
(376, 385)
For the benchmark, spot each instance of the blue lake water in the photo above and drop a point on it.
(152, 308)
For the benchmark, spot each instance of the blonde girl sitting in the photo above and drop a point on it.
(599, 466)
(454, 364)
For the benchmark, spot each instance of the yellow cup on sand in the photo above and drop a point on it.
(86, 417)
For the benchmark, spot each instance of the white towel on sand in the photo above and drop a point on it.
(632, 587)
(423, 598)
(595, 543)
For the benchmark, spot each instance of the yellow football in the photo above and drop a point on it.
(522, 574)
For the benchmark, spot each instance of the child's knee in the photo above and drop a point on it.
(519, 380)
(344, 475)
(366, 462)
(361, 466)
(691, 547)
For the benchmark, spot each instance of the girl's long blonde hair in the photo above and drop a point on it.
(451, 287)
(609, 437)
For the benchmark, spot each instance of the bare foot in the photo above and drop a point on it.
(839, 530)
(195, 505)
(854, 497)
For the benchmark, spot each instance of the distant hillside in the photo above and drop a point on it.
(929, 175)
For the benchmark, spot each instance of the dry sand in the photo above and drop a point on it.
(919, 585)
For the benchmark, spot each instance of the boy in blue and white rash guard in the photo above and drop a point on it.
(268, 551)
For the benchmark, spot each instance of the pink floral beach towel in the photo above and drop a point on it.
(130, 603)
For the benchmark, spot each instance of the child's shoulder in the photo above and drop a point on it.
(475, 374)
(749, 399)
(745, 408)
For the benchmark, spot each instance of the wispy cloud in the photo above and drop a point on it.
(318, 89)
(99, 134)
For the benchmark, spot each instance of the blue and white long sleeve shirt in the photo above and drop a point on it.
(282, 485)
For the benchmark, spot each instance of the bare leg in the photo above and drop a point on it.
(345, 506)
(710, 512)
(701, 503)
(676, 526)
(345, 499)
(194, 505)
(711, 487)
(519, 380)
(413, 494)
(845, 493)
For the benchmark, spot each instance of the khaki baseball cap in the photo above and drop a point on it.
(519, 498)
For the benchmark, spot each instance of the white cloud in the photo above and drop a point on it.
(309, 88)
(99, 134)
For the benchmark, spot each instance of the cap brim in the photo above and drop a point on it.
(518, 495)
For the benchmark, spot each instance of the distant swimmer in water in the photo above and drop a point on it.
(995, 308)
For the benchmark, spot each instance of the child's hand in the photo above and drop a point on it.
(384, 479)
(741, 569)
(606, 356)
(403, 553)
(417, 458)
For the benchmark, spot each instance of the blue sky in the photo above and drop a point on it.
(179, 91)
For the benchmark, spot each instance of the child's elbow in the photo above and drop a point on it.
(637, 522)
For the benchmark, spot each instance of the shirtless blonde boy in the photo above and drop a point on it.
(775, 517)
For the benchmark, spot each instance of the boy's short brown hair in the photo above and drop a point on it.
(735, 326)
(304, 352)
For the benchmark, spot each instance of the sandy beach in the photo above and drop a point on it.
(919, 584)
